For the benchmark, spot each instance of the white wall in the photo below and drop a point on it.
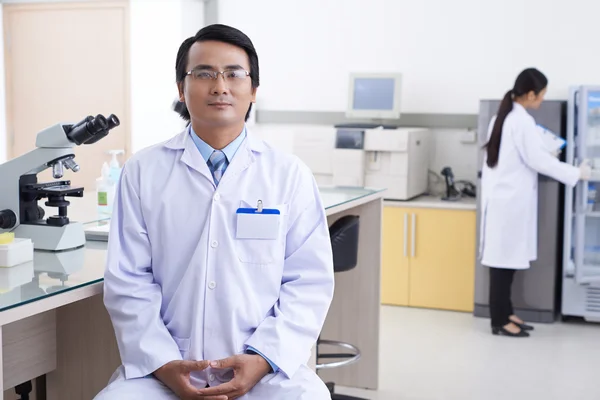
(447, 150)
(452, 53)
(157, 28)
(3, 149)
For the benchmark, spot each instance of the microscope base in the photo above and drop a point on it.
(53, 238)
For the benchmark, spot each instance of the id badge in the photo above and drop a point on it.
(258, 223)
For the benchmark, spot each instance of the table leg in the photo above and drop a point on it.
(40, 388)
(354, 314)
(87, 351)
(1, 367)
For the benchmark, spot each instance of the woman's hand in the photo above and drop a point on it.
(585, 170)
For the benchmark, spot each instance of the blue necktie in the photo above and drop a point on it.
(217, 163)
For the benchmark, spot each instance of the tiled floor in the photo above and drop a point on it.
(437, 355)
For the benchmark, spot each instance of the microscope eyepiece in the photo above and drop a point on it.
(98, 124)
(83, 121)
(91, 129)
(113, 121)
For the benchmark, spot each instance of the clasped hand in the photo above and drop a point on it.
(248, 370)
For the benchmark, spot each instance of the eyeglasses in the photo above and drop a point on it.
(234, 75)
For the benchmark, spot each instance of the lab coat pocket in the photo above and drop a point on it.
(183, 344)
(267, 246)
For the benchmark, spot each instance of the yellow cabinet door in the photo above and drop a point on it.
(442, 268)
(395, 261)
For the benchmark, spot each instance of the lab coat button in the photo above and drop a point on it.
(214, 244)
(212, 285)
(216, 197)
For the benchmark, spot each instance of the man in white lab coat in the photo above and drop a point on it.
(219, 272)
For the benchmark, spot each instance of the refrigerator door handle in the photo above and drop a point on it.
(584, 196)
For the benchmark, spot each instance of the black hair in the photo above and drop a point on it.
(530, 80)
(219, 33)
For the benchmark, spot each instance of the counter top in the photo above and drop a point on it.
(466, 203)
(51, 273)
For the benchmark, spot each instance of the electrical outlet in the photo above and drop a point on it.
(468, 137)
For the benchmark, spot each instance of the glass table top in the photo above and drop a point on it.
(51, 273)
(333, 196)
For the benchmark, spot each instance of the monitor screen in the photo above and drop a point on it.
(374, 94)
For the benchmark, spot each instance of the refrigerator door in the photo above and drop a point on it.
(587, 199)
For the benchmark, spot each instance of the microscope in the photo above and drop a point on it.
(20, 193)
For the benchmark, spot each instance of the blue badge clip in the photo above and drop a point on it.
(258, 210)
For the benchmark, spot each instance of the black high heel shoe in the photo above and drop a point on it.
(523, 326)
(499, 330)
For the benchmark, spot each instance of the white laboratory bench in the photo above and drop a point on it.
(53, 322)
(465, 203)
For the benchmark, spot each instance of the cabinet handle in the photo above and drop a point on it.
(406, 235)
(414, 231)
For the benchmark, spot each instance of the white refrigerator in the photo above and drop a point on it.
(581, 263)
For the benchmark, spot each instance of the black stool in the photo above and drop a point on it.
(24, 389)
(344, 242)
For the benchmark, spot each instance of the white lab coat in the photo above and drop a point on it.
(179, 285)
(509, 192)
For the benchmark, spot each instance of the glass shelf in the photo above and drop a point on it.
(588, 214)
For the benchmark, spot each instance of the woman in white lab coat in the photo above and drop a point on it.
(514, 156)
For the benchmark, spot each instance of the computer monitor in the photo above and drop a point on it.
(374, 96)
